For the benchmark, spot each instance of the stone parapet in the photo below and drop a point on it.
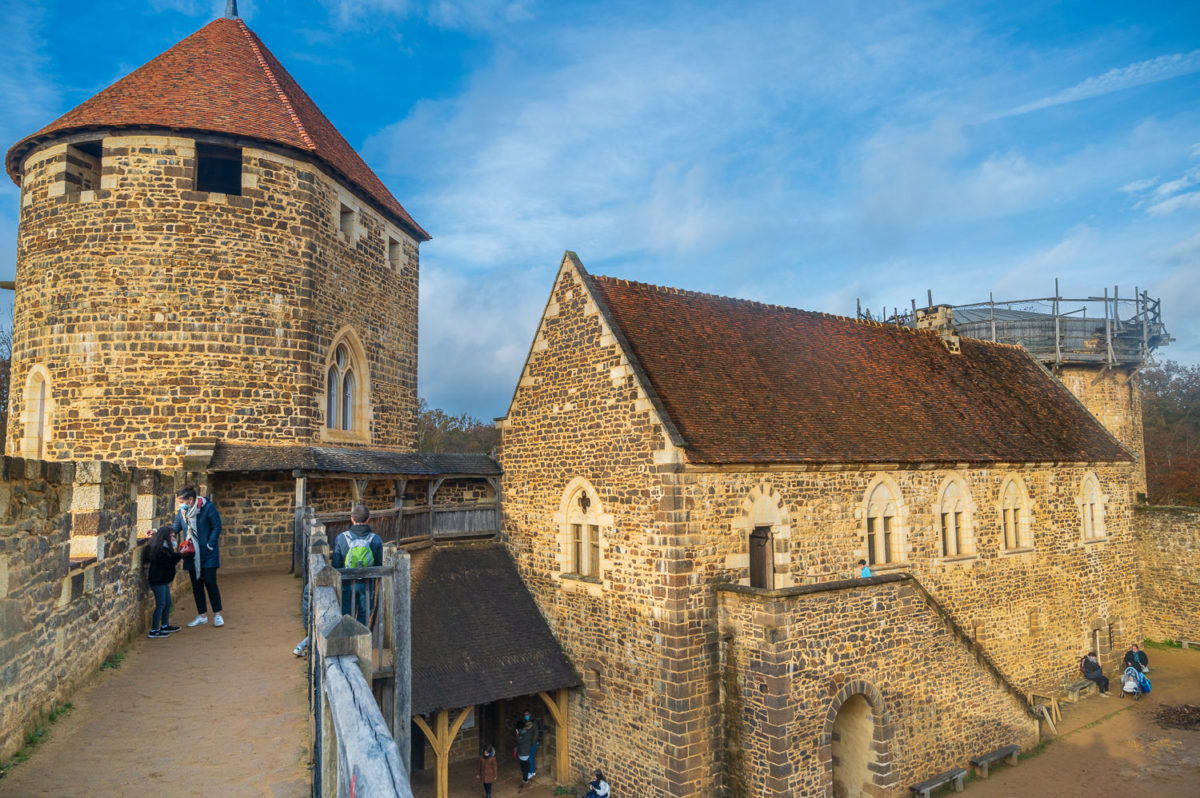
(72, 585)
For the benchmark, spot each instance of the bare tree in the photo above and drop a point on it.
(1172, 416)
(438, 431)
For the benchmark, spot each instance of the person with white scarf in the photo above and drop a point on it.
(198, 523)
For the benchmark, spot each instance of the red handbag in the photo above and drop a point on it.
(187, 547)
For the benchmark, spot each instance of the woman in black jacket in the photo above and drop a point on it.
(163, 556)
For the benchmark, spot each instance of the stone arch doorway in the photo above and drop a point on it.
(853, 732)
(858, 734)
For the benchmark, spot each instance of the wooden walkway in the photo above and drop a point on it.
(205, 712)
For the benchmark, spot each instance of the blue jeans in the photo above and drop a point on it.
(533, 757)
(162, 606)
(357, 598)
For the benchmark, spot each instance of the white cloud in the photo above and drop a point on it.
(1179, 202)
(451, 14)
(1138, 74)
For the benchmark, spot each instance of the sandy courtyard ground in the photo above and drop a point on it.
(1126, 754)
(210, 712)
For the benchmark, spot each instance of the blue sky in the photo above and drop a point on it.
(784, 152)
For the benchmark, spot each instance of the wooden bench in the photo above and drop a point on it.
(981, 763)
(1190, 643)
(929, 785)
(1081, 686)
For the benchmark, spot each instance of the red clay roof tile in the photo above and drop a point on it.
(222, 79)
(745, 382)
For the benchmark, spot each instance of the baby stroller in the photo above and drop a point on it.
(1134, 683)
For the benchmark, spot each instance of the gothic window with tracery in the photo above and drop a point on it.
(1091, 507)
(953, 520)
(881, 526)
(583, 523)
(1014, 516)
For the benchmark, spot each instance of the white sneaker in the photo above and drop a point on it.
(218, 620)
(198, 620)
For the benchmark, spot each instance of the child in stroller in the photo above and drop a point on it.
(1134, 683)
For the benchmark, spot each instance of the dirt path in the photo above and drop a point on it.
(205, 712)
(1126, 753)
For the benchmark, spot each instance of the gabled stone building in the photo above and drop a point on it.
(689, 481)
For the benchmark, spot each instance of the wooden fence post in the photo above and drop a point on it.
(402, 655)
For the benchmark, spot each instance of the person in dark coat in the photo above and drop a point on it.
(198, 523)
(1136, 658)
(162, 556)
(525, 737)
(1092, 671)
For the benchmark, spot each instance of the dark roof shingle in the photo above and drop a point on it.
(222, 79)
(477, 635)
(745, 382)
(231, 457)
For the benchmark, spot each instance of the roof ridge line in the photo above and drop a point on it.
(283, 98)
(667, 289)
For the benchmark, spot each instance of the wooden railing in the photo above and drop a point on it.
(355, 751)
(442, 521)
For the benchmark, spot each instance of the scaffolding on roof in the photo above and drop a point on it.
(1105, 330)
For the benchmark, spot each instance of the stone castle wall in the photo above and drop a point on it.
(257, 519)
(1033, 609)
(615, 629)
(791, 659)
(1113, 397)
(162, 314)
(72, 583)
(1168, 566)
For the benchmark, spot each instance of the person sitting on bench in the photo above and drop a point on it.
(1090, 667)
(1136, 658)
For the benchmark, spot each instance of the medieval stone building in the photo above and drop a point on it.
(689, 481)
(206, 267)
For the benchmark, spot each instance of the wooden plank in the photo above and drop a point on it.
(367, 754)
(402, 654)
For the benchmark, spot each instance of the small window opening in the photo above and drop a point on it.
(761, 558)
(218, 169)
(393, 253)
(346, 221)
(83, 167)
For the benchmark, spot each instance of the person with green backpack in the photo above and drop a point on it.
(358, 547)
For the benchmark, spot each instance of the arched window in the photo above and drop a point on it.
(1091, 507)
(346, 388)
(35, 442)
(1014, 516)
(583, 524)
(953, 516)
(882, 525)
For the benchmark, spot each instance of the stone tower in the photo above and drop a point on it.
(1095, 346)
(201, 254)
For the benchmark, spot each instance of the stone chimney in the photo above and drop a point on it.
(941, 319)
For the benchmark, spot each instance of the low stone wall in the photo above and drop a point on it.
(72, 585)
(1168, 563)
(257, 519)
(923, 697)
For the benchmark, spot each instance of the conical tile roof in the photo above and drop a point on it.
(221, 79)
